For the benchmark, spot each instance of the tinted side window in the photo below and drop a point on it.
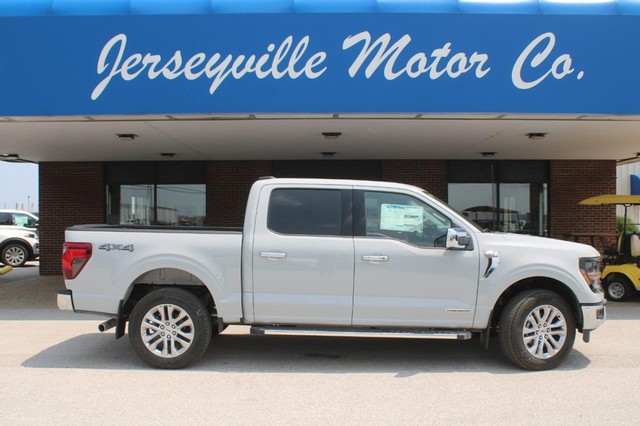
(305, 212)
(6, 219)
(404, 218)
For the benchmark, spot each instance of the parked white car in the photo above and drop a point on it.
(18, 245)
(18, 218)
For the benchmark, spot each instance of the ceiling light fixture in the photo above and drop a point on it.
(10, 156)
(328, 154)
(331, 135)
(167, 154)
(488, 154)
(126, 136)
(538, 135)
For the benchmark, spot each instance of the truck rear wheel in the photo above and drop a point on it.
(169, 328)
(618, 288)
(537, 330)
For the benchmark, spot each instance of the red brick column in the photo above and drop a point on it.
(571, 181)
(427, 174)
(228, 185)
(70, 194)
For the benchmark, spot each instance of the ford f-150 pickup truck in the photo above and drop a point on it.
(338, 257)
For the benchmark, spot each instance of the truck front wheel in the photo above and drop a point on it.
(169, 328)
(537, 330)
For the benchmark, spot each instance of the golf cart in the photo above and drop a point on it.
(621, 262)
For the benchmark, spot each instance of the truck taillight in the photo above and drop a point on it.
(74, 257)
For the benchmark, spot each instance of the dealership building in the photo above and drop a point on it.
(163, 112)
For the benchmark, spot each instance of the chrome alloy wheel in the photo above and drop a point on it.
(544, 331)
(15, 255)
(167, 331)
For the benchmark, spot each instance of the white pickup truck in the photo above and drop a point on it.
(338, 257)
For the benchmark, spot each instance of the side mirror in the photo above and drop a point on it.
(458, 239)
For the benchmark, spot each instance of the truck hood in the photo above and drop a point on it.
(498, 240)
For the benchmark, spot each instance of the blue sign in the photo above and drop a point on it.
(635, 184)
(319, 63)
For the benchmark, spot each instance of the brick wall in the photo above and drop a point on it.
(74, 193)
(228, 185)
(428, 174)
(70, 194)
(574, 180)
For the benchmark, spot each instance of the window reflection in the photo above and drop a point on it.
(181, 205)
(136, 205)
(504, 207)
(148, 204)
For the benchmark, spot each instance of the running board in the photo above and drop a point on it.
(346, 332)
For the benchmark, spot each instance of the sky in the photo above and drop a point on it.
(19, 186)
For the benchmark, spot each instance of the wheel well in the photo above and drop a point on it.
(542, 283)
(616, 275)
(162, 278)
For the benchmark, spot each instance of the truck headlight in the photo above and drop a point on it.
(590, 270)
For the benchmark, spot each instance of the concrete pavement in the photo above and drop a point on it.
(56, 368)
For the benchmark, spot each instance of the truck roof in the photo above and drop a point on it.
(338, 182)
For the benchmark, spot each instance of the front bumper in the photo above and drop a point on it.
(65, 300)
(593, 315)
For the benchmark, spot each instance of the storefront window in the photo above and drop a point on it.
(136, 204)
(181, 205)
(519, 208)
(156, 194)
(501, 204)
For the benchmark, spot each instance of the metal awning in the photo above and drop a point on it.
(173, 7)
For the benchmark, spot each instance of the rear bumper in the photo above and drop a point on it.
(65, 300)
(593, 316)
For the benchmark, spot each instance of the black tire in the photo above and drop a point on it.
(618, 288)
(170, 328)
(537, 330)
(14, 255)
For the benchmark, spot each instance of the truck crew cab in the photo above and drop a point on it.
(336, 257)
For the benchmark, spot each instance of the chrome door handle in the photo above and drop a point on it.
(375, 258)
(273, 254)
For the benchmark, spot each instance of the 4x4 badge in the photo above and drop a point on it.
(121, 247)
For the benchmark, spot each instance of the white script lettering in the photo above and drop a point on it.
(113, 63)
(380, 52)
(559, 69)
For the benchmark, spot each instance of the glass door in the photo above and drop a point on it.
(136, 204)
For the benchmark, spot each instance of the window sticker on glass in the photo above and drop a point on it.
(21, 220)
(396, 217)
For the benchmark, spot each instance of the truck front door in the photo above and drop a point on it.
(303, 261)
(404, 275)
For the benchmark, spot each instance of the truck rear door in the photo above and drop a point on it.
(303, 255)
